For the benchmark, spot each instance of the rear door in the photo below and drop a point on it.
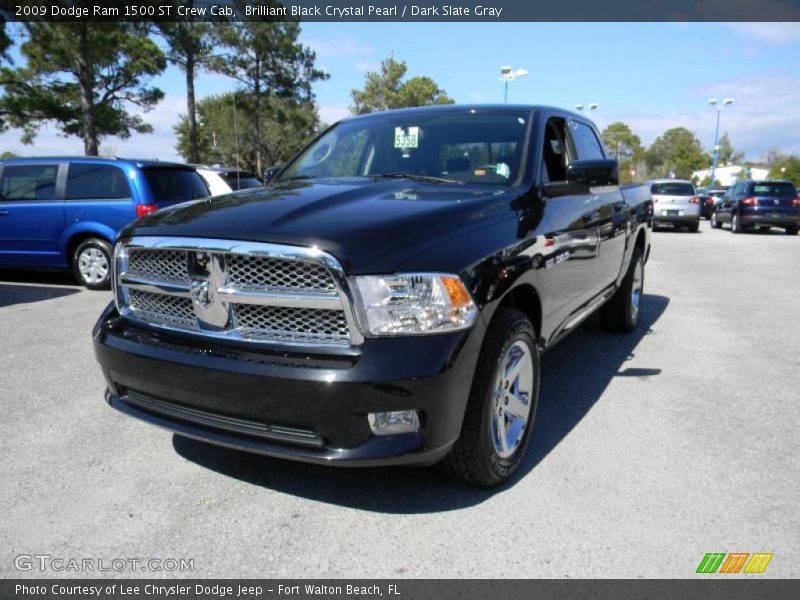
(98, 193)
(170, 185)
(775, 198)
(673, 199)
(31, 215)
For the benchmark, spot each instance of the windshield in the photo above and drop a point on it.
(472, 146)
(241, 181)
(673, 189)
(175, 185)
(774, 189)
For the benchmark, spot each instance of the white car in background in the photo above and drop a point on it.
(223, 180)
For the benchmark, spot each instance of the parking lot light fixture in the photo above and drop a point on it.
(719, 106)
(508, 74)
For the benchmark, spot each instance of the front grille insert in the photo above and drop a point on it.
(240, 291)
(276, 432)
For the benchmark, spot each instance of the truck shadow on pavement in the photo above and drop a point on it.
(23, 287)
(576, 373)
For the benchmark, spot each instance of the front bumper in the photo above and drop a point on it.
(303, 407)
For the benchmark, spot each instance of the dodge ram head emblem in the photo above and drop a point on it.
(201, 293)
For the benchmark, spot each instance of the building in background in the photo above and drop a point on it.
(729, 174)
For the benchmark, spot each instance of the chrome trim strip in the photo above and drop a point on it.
(342, 300)
(235, 295)
(153, 286)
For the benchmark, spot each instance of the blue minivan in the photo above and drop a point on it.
(65, 212)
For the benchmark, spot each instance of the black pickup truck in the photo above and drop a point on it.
(386, 298)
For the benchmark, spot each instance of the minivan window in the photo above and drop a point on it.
(672, 189)
(175, 185)
(586, 142)
(241, 181)
(93, 181)
(774, 189)
(28, 182)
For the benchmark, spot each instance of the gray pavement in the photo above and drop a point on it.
(649, 451)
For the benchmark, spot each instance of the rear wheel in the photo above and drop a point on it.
(694, 227)
(736, 226)
(715, 224)
(621, 313)
(91, 263)
(792, 230)
(502, 403)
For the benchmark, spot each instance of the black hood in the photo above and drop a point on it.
(370, 226)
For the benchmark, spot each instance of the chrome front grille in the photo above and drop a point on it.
(245, 291)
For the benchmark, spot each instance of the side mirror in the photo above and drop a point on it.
(270, 172)
(590, 173)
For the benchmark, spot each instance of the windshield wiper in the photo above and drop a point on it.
(298, 177)
(413, 177)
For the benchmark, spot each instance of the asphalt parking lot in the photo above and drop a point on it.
(650, 450)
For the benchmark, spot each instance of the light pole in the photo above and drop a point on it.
(586, 109)
(719, 107)
(508, 74)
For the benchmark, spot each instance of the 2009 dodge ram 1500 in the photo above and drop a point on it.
(386, 298)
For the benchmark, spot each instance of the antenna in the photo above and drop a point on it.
(236, 139)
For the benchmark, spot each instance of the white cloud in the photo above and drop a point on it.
(366, 65)
(339, 46)
(766, 115)
(774, 34)
(330, 113)
(159, 144)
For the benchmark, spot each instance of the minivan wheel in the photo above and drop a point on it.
(91, 263)
(502, 404)
(736, 227)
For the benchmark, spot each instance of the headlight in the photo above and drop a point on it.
(414, 303)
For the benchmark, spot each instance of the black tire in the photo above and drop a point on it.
(736, 226)
(100, 251)
(715, 224)
(792, 230)
(474, 458)
(619, 314)
(694, 227)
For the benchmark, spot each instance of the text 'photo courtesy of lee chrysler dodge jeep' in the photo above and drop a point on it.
(385, 300)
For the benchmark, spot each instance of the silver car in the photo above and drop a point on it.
(675, 203)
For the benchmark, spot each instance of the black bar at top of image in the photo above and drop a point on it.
(400, 10)
(729, 588)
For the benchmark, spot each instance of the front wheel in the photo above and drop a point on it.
(502, 403)
(715, 224)
(91, 263)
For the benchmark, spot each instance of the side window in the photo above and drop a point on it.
(555, 153)
(28, 182)
(586, 143)
(93, 181)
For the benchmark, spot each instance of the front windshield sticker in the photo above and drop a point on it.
(503, 170)
(406, 138)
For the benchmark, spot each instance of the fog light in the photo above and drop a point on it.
(398, 421)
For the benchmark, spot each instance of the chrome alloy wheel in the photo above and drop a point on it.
(637, 287)
(93, 265)
(513, 391)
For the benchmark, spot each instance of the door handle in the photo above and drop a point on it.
(3, 213)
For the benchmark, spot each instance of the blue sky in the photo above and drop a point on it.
(652, 75)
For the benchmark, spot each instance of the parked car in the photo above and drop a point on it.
(62, 212)
(762, 204)
(675, 203)
(706, 204)
(224, 180)
(386, 298)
